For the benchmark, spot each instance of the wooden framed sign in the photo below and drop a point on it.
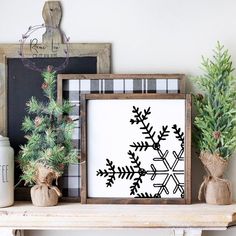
(15, 78)
(136, 148)
(71, 86)
(18, 83)
(20, 73)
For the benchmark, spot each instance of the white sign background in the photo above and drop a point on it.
(110, 134)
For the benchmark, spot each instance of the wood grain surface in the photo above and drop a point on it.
(23, 215)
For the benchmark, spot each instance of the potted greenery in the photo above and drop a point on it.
(49, 143)
(215, 124)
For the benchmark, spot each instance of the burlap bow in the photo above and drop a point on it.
(45, 176)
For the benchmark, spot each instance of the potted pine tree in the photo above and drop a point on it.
(49, 143)
(215, 124)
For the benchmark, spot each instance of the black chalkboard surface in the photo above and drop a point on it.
(24, 83)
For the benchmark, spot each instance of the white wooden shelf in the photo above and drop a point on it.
(23, 215)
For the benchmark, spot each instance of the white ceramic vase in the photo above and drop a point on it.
(6, 173)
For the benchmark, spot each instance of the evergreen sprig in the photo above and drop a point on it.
(48, 132)
(216, 108)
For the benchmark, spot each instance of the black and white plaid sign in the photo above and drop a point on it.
(72, 88)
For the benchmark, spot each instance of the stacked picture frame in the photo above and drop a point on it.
(15, 79)
(81, 89)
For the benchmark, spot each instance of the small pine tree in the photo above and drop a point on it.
(215, 121)
(48, 132)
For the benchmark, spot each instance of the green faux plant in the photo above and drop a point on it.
(48, 132)
(215, 120)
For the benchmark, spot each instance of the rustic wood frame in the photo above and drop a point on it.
(85, 199)
(61, 77)
(66, 77)
(100, 50)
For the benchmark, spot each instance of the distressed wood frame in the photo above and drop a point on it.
(62, 77)
(84, 178)
(66, 77)
(77, 77)
(102, 51)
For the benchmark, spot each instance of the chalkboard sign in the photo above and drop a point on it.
(24, 83)
(19, 83)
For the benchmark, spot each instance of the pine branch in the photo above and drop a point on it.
(34, 107)
(216, 106)
(28, 124)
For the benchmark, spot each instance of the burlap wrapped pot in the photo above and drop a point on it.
(215, 189)
(43, 194)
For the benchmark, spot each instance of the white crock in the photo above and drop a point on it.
(6, 173)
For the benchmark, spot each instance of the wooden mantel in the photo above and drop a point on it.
(76, 216)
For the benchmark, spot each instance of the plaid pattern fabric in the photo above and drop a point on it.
(72, 90)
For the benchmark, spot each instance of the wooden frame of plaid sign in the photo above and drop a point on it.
(71, 86)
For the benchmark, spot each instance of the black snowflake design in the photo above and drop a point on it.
(136, 172)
